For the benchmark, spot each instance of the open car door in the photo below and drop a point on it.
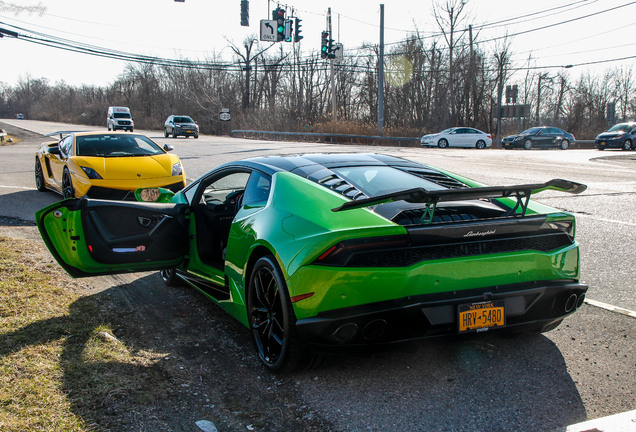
(96, 237)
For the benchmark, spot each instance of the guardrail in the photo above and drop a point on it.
(370, 139)
(323, 137)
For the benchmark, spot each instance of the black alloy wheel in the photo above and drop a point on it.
(67, 185)
(627, 145)
(169, 277)
(39, 176)
(270, 316)
(443, 143)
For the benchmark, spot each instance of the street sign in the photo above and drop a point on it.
(508, 111)
(268, 30)
(338, 50)
(225, 114)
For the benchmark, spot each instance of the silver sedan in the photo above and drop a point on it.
(458, 137)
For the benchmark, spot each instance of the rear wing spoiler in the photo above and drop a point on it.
(419, 195)
(62, 134)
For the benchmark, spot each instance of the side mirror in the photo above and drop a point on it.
(168, 147)
(159, 195)
(54, 150)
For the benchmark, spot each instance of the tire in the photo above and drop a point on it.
(108, 127)
(443, 143)
(564, 145)
(165, 132)
(169, 277)
(131, 129)
(270, 317)
(627, 145)
(67, 185)
(480, 145)
(39, 176)
(527, 145)
(601, 148)
(196, 136)
(174, 134)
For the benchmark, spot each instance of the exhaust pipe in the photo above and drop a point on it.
(570, 303)
(579, 303)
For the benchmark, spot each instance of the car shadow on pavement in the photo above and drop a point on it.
(486, 382)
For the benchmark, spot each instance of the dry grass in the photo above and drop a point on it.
(58, 359)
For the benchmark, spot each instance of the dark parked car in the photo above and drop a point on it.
(177, 125)
(620, 136)
(539, 137)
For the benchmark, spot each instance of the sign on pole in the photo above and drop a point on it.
(338, 50)
(268, 30)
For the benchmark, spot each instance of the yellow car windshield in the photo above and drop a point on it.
(115, 145)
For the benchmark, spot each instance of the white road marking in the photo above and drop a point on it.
(600, 219)
(622, 422)
(16, 187)
(611, 308)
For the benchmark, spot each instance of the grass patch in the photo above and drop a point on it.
(59, 360)
(9, 140)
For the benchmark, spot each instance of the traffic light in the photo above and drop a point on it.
(289, 30)
(330, 53)
(324, 45)
(297, 35)
(279, 15)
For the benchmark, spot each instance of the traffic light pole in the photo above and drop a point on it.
(333, 74)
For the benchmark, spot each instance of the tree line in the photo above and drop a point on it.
(431, 84)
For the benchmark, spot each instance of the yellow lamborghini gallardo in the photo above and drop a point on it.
(108, 165)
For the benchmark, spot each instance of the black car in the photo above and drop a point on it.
(620, 136)
(539, 137)
(177, 125)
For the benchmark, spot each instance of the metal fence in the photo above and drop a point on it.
(327, 137)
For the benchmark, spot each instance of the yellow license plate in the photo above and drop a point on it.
(481, 316)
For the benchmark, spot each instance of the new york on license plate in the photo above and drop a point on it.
(481, 316)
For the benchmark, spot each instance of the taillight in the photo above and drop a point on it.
(341, 253)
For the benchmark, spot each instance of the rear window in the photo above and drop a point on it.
(380, 180)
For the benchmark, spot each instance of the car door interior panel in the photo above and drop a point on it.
(125, 233)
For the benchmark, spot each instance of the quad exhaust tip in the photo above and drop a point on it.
(574, 302)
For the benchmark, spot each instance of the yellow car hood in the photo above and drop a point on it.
(128, 168)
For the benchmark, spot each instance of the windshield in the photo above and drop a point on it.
(183, 120)
(380, 180)
(121, 115)
(111, 145)
(621, 127)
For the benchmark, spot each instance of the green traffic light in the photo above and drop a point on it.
(281, 29)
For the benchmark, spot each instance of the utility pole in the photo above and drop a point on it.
(381, 75)
(333, 73)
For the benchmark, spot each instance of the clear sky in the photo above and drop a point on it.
(554, 32)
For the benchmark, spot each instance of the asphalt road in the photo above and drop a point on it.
(584, 369)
